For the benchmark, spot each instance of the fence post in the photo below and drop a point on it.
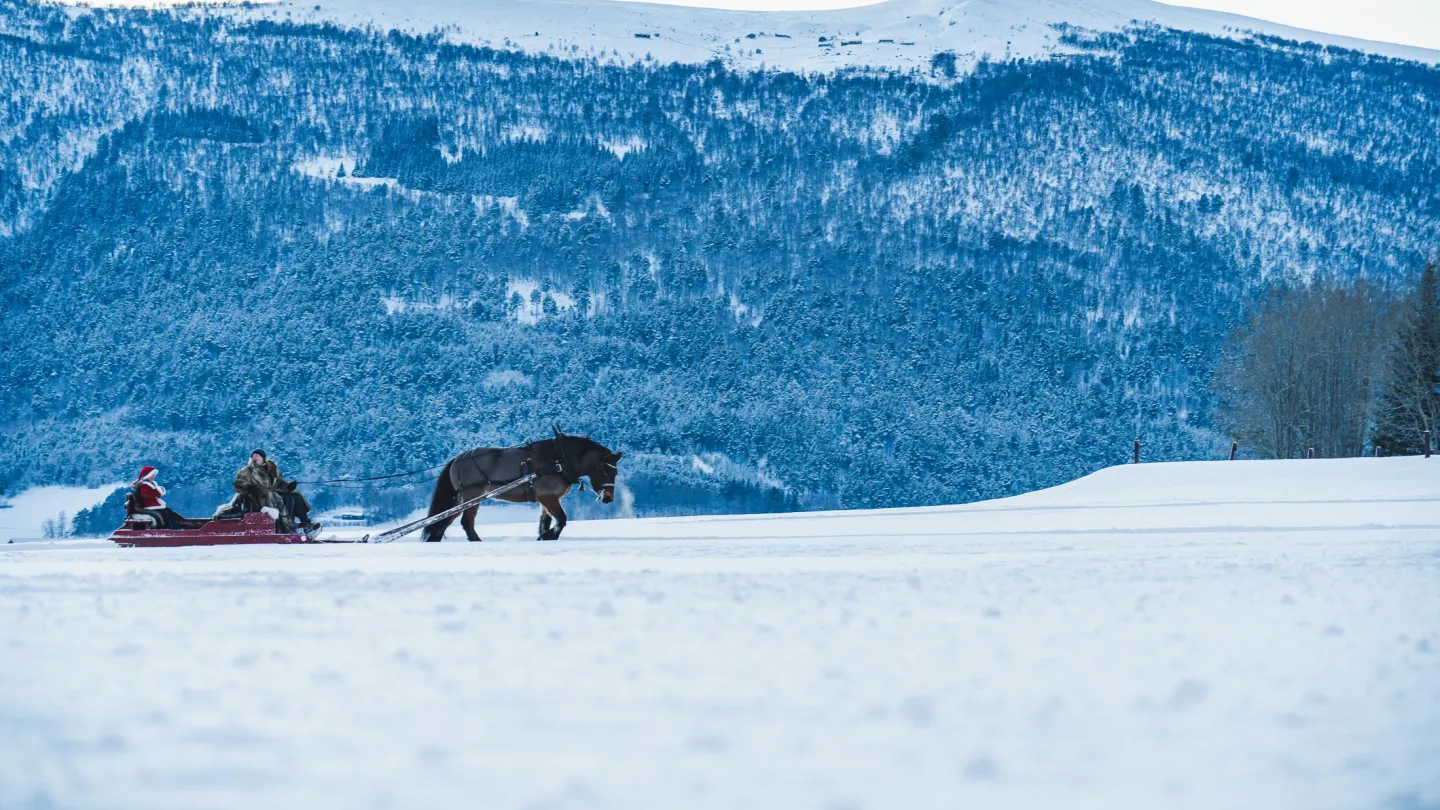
(1137, 451)
(1427, 444)
(1234, 448)
(1310, 453)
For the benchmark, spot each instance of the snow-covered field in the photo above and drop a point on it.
(1212, 635)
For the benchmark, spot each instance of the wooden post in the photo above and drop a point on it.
(1234, 448)
(1427, 444)
(1310, 453)
(1137, 451)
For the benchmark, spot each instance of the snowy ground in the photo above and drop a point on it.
(1221, 635)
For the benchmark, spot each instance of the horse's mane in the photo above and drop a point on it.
(588, 443)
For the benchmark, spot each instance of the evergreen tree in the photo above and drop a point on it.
(102, 518)
(1411, 402)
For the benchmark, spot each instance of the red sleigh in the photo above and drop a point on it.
(250, 528)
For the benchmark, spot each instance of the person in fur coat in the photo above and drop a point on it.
(261, 485)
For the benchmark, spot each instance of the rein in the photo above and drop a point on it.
(564, 467)
(380, 477)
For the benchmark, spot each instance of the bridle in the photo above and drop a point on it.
(601, 490)
(610, 486)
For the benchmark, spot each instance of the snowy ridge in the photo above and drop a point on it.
(895, 34)
(1329, 495)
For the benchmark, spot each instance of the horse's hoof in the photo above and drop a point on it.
(476, 540)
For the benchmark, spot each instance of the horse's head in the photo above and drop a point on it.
(603, 467)
(592, 459)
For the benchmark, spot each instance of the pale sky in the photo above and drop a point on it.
(1408, 22)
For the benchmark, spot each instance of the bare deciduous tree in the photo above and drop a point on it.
(1301, 373)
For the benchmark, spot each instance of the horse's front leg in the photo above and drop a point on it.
(551, 509)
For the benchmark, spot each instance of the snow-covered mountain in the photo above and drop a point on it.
(895, 34)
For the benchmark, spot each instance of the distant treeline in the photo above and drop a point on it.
(1332, 369)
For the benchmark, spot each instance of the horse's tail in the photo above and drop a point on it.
(442, 499)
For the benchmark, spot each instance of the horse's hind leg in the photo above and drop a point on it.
(551, 510)
(436, 531)
(468, 521)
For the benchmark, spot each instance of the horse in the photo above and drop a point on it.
(559, 462)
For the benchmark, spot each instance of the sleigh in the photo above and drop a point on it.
(246, 529)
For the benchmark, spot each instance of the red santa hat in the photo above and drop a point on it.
(147, 473)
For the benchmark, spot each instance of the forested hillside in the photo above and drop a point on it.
(366, 252)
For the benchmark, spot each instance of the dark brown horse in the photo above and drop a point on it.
(560, 463)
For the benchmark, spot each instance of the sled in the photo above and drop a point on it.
(250, 528)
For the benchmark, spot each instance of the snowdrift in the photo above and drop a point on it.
(1235, 497)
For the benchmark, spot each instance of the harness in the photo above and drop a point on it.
(475, 462)
(528, 473)
(565, 467)
(527, 470)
